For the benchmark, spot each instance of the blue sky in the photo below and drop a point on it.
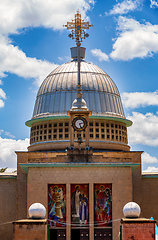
(123, 42)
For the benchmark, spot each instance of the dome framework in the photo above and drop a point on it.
(58, 91)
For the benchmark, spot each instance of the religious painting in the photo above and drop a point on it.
(102, 205)
(57, 205)
(79, 204)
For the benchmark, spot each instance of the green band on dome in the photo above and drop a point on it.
(49, 118)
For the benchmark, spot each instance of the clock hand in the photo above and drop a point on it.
(80, 124)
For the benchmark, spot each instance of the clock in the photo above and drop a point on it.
(79, 124)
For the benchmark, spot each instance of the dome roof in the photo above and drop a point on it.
(58, 91)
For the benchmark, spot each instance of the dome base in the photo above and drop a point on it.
(62, 145)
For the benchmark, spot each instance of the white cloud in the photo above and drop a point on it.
(126, 6)
(100, 55)
(2, 94)
(153, 3)
(13, 60)
(19, 15)
(144, 129)
(135, 40)
(146, 158)
(140, 99)
(7, 151)
(9, 134)
(151, 169)
(2, 97)
(1, 82)
(6, 133)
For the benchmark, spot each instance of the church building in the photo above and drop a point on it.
(78, 164)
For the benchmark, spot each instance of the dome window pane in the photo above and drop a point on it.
(60, 135)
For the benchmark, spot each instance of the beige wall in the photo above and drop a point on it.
(7, 207)
(149, 204)
(120, 177)
(30, 230)
(22, 157)
(126, 185)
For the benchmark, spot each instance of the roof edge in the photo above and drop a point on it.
(30, 122)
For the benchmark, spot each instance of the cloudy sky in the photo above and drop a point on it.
(123, 42)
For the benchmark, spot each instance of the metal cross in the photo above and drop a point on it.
(78, 25)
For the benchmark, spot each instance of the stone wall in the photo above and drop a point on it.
(149, 194)
(30, 229)
(120, 177)
(8, 186)
(142, 229)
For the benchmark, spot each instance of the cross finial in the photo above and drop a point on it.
(78, 25)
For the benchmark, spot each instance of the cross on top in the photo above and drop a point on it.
(78, 25)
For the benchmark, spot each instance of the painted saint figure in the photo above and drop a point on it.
(108, 202)
(102, 204)
(76, 195)
(57, 208)
(83, 210)
(79, 204)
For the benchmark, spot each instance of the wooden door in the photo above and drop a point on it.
(103, 234)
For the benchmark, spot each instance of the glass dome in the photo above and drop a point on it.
(58, 91)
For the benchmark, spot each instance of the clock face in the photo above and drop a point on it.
(79, 123)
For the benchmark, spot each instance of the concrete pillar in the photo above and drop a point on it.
(91, 211)
(30, 229)
(68, 212)
(137, 228)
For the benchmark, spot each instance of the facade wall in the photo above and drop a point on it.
(21, 187)
(120, 177)
(139, 229)
(8, 196)
(149, 197)
(30, 230)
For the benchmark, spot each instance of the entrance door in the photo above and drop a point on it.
(79, 234)
(57, 234)
(103, 234)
